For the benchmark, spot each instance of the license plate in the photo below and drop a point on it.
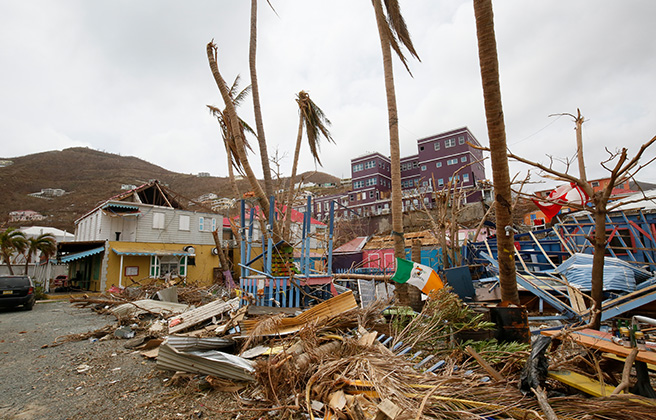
(7, 292)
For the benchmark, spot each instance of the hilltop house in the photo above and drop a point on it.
(144, 233)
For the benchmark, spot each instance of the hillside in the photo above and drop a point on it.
(89, 176)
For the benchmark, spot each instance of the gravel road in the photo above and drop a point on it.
(44, 383)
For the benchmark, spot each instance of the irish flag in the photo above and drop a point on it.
(425, 278)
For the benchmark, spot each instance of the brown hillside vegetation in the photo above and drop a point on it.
(89, 176)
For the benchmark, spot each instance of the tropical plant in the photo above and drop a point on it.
(393, 34)
(44, 243)
(312, 118)
(12, 241)
(226, 132)
(231, 116)
(489, 64)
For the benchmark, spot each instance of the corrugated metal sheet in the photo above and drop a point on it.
(207, 362)
(618, 274)
(185, 343)
(203, 313)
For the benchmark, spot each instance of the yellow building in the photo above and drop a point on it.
(141, 235)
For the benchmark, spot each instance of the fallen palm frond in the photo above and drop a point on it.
(443, 315)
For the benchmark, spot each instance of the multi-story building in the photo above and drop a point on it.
(439, 159)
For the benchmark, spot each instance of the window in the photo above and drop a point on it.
(424, 183)
(463, 159)
(595, 183)
(440, 182)
(154, 266)
(372, 181)
(423, 167)
(370, 164)
(358, 184)
(465, 177)
(421, 148)
(358, 167)
(206, 224)
(415, 164)
(453, 161)
(461, 140)
(449, 142)
(437, 145)
(184, 222)
(201, 223)
(364, 196)
(438, 165)
(352, 197)
(158, 220)
(371, 194)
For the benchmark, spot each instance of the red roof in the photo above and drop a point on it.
(354, 245)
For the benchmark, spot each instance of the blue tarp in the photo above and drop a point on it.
(618, 275)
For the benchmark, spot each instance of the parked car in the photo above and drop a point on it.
(16, 291)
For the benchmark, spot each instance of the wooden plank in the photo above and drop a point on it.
(582, 383)
(600, 341)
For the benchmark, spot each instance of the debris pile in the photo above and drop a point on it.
(337, 360)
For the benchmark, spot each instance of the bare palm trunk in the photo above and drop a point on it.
(257, 109)
(395, 161)
(292, 180)
(487, 51)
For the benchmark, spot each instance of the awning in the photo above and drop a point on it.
(150, 252)
(120, 206)
(80, 255)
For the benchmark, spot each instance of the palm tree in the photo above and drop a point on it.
(257, 109)
(392, 31)
(230, 115)
(11, 241)
(316, 125)
(226, 132)
(489, 63)
(44, 243)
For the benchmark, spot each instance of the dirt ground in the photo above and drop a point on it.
(87, 379)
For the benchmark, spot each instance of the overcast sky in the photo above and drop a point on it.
(131, 77)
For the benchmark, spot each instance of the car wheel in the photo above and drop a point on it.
(29, 306)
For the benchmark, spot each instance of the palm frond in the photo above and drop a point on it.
(315, 121)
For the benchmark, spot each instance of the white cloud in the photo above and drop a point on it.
(132, 77)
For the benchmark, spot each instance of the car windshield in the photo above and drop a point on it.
(14, 281)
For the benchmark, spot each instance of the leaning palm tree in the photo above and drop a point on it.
(240, 142)
(44, 243)
(312, 118)
(11, 241)
(489, 63)
(393, 34)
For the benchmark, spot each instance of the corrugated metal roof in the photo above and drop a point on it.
(354, 245)
(80, 255)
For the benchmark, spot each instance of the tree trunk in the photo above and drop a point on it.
(287, 232)
(257, 110)
(395, 161)
(487, 52)
(597, 277)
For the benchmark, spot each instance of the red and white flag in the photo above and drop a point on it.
(561, 196)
